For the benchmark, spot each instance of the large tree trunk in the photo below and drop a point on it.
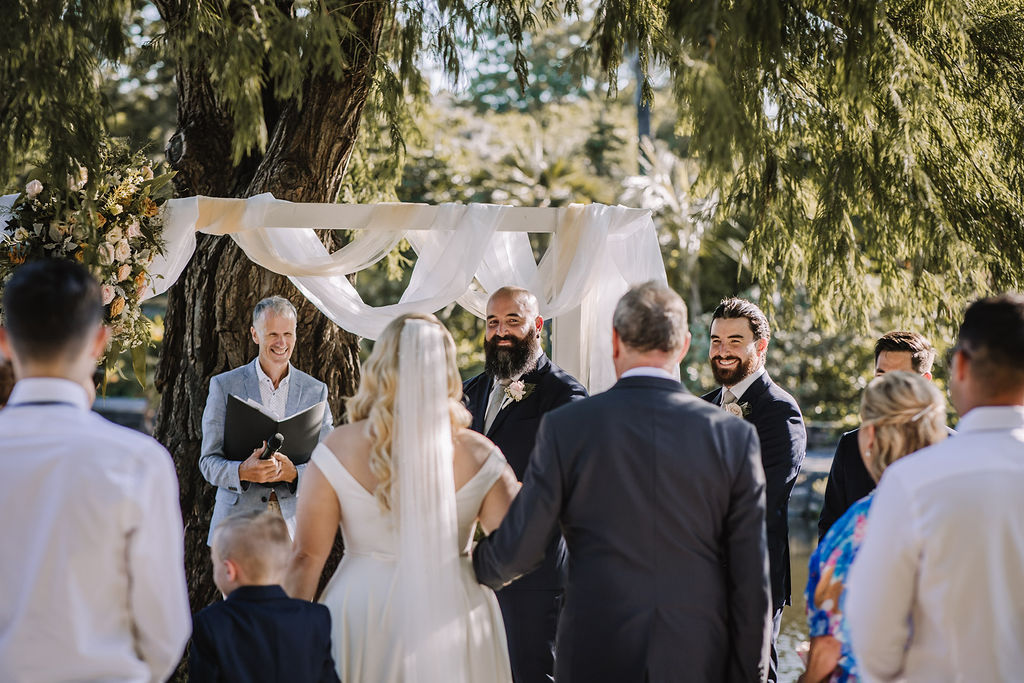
(209, 309)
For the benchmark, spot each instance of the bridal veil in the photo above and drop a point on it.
(428, 582)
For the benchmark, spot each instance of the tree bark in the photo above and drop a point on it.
(209, 309)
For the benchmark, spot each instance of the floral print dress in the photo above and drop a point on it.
(826, 583)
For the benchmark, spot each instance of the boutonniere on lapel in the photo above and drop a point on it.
(518, 390)
(738, 409)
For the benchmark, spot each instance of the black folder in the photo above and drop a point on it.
(246, 427)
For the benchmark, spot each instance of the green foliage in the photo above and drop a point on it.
(874, 146)
(49, 59)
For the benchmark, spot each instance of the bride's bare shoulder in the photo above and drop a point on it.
(345, 437)
(473, 445)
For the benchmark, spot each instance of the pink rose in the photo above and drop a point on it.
(124, 272)
(143, 291)
(33, 188)
(107, 291)
(134, 229)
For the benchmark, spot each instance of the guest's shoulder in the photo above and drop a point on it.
(125, 442)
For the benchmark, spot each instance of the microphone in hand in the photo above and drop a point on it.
(273, 446)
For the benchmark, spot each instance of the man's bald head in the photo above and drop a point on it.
(531, 307)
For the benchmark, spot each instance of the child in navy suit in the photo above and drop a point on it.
(257, 633)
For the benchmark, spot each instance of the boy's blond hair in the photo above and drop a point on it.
(257, 541)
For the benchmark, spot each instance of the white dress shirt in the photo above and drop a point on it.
(647, 371)
(741, 387)
(92, 578)
(936, 592)
(274, 400)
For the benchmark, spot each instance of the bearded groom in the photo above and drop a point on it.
(507, 400)
(739, 348)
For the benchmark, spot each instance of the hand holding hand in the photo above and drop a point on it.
(287, 471)
(259, 471)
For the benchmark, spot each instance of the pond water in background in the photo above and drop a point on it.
(803, 538)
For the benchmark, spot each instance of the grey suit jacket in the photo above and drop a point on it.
(234, 495)
(660, 498)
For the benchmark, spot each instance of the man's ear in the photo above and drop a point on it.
(538, 323)
(616, 343)
(926, 375)
(255, 336)
(99, 342)
(762, 346)
(686, 347)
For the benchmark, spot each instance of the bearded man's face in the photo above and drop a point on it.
(512, 341)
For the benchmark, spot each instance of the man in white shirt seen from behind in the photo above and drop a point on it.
(937, 590)
(92, 579)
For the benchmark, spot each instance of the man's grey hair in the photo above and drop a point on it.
(651, 317)
(273, 304)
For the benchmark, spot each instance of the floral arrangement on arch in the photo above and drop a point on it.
(112, 225)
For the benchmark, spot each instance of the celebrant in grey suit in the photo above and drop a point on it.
(660, 498)
(283, 390)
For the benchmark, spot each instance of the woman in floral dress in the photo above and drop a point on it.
(900, 413)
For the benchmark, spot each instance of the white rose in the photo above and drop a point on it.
(134, 229)
(122, 250)
(733, 409)
(114, 235)
(20, 235)
(33, 188)
(107, 291)
(105, 253)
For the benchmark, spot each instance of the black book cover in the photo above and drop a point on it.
(246, 427)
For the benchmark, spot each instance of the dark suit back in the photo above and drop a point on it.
(514, 431)
(780, 428)
(259, 634)
(848, 482)
(660, 498)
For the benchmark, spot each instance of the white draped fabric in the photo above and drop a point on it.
(464, 252)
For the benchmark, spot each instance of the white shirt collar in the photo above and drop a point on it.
(985, 418)
(741, 387)
(49, 390)
(647, 371)
(264, 377)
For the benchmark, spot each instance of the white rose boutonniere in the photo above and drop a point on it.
(737, 409)
(519, 390)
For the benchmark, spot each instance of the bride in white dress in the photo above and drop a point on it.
(408, 483)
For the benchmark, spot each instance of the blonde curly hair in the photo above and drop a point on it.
(908, 414)
(375, 399)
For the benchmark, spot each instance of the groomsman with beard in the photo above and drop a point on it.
(518, 386)
(739, 347)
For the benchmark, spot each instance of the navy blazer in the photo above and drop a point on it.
(848, 482)
(514, 431)
(260, 635)
(780, 427)
(660, 497)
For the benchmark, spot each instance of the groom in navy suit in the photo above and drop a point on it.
(739, 347)
(507, 400)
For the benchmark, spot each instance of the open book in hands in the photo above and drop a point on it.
(247, 424)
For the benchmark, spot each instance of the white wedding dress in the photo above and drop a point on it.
(366, 615)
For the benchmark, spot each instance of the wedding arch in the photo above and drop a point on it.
(464, 252)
